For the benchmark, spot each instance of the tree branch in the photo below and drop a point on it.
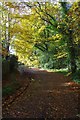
(42, 48)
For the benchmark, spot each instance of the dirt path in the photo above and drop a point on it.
(50, 95)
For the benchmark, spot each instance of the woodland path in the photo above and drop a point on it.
(49, 95)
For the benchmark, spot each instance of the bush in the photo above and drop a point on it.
(13, 60)
(76, 76)
(9, 65)
(5, 67)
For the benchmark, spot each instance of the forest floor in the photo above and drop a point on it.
(49, 95)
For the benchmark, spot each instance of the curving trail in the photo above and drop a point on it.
(49, 95)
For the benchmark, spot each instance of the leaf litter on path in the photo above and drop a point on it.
(53, 96)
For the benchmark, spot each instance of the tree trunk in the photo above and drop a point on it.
(8, 35)
(72, 52)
